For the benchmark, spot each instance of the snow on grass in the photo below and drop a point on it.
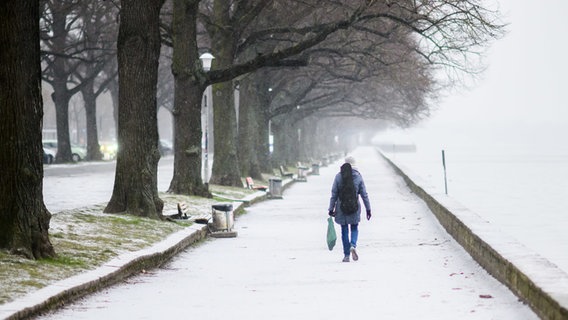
(85, 238)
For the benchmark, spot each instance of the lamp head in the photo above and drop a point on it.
(206, 60)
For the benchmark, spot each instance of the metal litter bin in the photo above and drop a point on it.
(315, 169)
(302, 174)
(223, 217)
(275, 188)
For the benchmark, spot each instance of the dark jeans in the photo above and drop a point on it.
(345, 237)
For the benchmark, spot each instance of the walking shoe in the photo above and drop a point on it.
(354, 254)
(346, 259)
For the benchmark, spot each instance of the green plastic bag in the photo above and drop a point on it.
(331, 236)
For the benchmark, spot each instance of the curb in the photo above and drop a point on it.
(535, 280)
(67, 290)
(126, 265)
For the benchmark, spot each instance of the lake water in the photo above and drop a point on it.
(520, 188)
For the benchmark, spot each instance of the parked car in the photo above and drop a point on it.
(78, 153)
(48, 156)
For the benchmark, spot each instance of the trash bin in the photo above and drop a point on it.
(315, 169)
(302, 174)
(275, 188)
(223, 217)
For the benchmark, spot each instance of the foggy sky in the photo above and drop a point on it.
(521, 97)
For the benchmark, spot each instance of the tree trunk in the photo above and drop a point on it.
(307, 143)
(187, 102)
(90, 99)
(262, 141)
(279, 144)
(61, 94)
(248, 129)
(263, 120)
(313, 141)
(187, 141)
(24, 219)
(135, 186)
(60, 98)
(225, 170)
(285, 142)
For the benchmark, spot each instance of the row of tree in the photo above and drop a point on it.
(308, 71)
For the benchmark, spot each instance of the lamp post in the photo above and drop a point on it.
(206, 60)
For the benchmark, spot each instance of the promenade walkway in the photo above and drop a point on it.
(279, 266)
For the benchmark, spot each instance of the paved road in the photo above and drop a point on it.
(88, 183)
(279, 266)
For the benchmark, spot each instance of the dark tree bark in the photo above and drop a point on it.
(248, 129)
(187, 152)
(60, 74)
(225, 169)
(285, 141)
(100, 67)
(254, 147)
(24, 219)
(263, 121)
(90, 99)
(187, 102)
(135, 186)
(429, 21)
(61, 98)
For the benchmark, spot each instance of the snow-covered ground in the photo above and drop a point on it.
(518, 184)
(279, 266)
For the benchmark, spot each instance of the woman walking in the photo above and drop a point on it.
(344, 205)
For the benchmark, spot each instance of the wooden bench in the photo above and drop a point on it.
(285, 173)
(250, 185)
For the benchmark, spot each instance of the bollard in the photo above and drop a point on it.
(275, 188)
(315, 169)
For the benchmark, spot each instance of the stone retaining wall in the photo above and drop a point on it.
(542, 285)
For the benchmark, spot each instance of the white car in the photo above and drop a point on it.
(78, 153)
(48, 156)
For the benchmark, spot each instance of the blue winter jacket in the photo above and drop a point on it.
(334, 203)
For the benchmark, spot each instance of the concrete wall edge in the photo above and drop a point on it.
(532, 278)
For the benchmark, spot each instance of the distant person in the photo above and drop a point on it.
(344, 205)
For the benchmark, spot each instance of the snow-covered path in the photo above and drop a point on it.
(279, 266)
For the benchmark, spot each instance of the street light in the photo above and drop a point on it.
(206, 60)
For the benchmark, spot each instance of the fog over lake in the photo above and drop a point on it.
(504, 139)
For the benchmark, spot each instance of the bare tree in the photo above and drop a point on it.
(99, 29)
(135, 185)
(444, 34)
(190, 83)
(24, 219)
(443, 29)
(59, 41)
(72, 58)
